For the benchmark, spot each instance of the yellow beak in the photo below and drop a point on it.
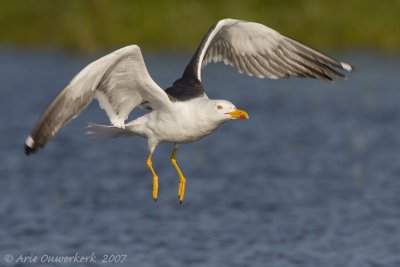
(239, 114)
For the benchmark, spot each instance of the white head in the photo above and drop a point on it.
(224, 110)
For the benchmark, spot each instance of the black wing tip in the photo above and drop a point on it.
(29, 150)
(30, 146)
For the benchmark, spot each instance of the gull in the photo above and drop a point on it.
(182, 113)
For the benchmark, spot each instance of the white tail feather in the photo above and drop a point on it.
(97, 131)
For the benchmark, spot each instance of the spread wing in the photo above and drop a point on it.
(119, 81)
(257, 50)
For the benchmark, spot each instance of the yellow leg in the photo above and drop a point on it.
(182, 180)
(155, 177)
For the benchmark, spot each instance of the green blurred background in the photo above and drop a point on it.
(90, 25)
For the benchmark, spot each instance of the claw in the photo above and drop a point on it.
(155, 188)
(182, 180)
(181, 189)
(155, 177)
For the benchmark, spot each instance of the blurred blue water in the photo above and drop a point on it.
(312, 179)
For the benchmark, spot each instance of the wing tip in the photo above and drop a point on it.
(30, 146)
(347, 67)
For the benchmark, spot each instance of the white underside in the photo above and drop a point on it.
(184, 122)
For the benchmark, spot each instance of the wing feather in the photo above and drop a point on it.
(261, 51)
(119, 81)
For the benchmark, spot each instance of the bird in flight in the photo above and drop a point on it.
(182, 113)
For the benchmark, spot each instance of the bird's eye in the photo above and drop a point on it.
(219, 107)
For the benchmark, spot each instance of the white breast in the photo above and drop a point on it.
(185, 122)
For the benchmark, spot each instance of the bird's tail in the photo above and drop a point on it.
(99, 132)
